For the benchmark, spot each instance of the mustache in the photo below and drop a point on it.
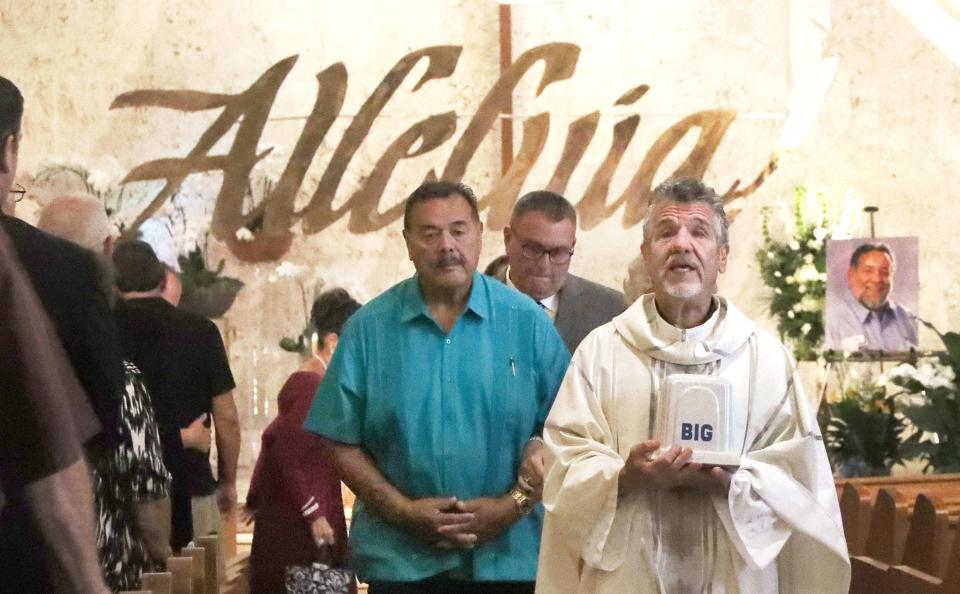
(450, 259)
(681, 260)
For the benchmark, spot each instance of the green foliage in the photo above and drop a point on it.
(195, 274)
(293, 346)
(935, 406)
(795, 271)
(301, 343)
(865, 426)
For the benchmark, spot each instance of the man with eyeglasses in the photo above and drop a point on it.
(70, 283)
(539, 242)
(46, 513)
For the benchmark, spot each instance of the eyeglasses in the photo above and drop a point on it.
(558, 255)
(18, 192)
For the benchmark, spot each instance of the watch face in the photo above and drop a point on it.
(524, 504)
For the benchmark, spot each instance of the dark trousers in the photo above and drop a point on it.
(445, 585)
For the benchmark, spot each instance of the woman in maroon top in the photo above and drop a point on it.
(295, 491)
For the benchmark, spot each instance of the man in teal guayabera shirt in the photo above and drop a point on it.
(432, 395)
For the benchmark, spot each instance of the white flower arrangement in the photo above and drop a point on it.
(792, 262)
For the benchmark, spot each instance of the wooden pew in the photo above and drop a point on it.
(856, 507)
(211, 547)
(157, 583)
(889, 523)
(911, 546)
(875, 482)
(928, 541)
(857, 495)
(908, 580)
(198, 571)
(181, 569)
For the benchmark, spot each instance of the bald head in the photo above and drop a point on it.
(79, 219)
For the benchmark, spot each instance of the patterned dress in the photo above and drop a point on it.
(132, 472)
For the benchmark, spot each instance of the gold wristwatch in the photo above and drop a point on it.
(524, 503)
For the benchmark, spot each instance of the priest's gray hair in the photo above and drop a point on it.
(686, 190)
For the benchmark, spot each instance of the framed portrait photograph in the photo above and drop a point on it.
(872, 294)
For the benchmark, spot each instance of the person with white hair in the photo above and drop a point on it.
(131, 483)
(81, 220)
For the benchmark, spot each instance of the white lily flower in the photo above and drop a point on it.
(810, 303)
(289, 269)
(903, 370)
(99, 181)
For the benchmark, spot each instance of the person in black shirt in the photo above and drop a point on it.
(184, 365)
(69, 284)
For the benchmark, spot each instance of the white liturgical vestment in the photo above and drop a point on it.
(779, 528)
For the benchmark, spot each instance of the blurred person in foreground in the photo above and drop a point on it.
(295, 493)
(45, 418)
(69, 285)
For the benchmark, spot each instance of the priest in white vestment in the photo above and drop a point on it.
(627, 516)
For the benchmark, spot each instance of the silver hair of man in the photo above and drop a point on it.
(686, 190)
(78, 219)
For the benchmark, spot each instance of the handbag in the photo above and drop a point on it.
(317, 578)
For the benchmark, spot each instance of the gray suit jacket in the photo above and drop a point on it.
(584, 305)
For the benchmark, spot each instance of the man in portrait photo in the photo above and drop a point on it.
(863, 317)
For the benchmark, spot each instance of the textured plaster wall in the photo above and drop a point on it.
(887, 129)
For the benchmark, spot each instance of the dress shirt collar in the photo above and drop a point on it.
(548, 303)
(414, 305)
(864, 313)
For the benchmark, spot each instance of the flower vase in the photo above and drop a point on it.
(261, 248)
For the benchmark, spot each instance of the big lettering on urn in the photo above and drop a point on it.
(694, 411)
